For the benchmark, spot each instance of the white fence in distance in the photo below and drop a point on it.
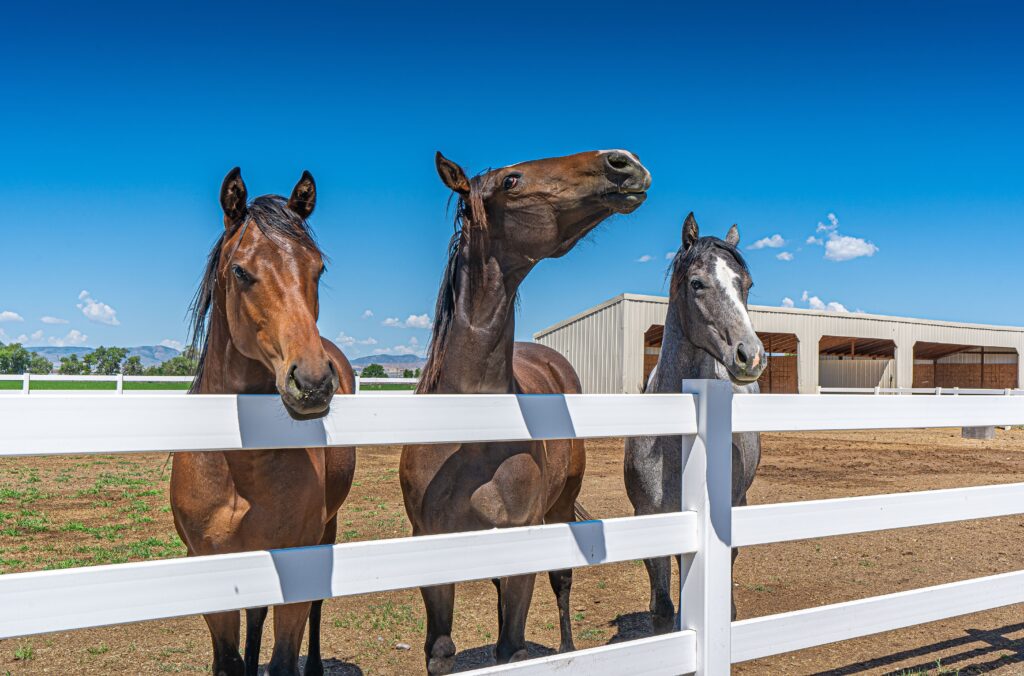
(703, 533)
(949, 391)
(120, 379)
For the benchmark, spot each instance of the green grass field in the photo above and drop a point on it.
(86, 385)
(388, 386)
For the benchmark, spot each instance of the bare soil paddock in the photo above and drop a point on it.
(62, 512)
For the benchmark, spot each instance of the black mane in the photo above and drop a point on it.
(684, 259)
(274, 219)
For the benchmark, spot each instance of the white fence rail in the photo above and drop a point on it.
(407, 384)
(920, 390)
(703, 533)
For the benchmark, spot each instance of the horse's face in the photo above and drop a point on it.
(541, 209)
(710, 286)
(270, 286)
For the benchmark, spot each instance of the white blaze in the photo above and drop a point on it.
(727, 277)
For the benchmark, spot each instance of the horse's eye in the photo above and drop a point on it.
(696, 285)
(510, 182)
(240, 273)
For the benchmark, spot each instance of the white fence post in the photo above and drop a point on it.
(120, 383)
(357, 385)
(26, 382)
(706, 576)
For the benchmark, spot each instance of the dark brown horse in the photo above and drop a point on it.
(254, 325)
(510, 218)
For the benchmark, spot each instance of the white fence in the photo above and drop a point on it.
(919, 390)
(706, 416)
(27, 379)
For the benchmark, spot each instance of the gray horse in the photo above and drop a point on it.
(708, 334)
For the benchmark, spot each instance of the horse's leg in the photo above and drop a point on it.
(439, 647)
(563, 511)
(663, 613)
(224, 629)
(254, 618)
(497, 588)
(314, 662)
(516, 594)
(289, 623)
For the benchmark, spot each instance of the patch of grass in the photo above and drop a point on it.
(98, 649)
(24, 652)
(591, 634)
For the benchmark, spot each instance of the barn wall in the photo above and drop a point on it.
(605, 344)
(856, 372)
(593, 344)
(780, 375)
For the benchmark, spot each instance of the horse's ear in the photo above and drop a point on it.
(733, 237)
(303, 199)
(452, 174)
(233, 198)
(691, 233)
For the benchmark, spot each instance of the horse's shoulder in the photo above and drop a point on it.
(538, 369)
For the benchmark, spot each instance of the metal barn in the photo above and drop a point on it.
(614, 345)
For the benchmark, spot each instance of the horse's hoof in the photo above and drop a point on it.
(567, 648)
(442, 657)
(662, 624)
(519, 655)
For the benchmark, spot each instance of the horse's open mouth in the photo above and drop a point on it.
(625, 201)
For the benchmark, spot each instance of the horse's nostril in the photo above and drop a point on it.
(741, 354)
(618, 161)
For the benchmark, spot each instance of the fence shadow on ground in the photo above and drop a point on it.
(332, 667)
(1011, 651)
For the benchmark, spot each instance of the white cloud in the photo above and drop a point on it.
(773, 242)
(804, 296)
(833, 224)
(346, 340)
(73, 337)
(787, 302)
(844, 248)
(173, 344)
(367, 314)
(37, 336)
(422, 321)
(784, 256)
(9, 316)
(96, 311)
(646, 258)
(840, 247)
(816, 303)
(418, 322)
(53, 320)
(21, 339)
(670, 255)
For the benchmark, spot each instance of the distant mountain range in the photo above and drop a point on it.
(409, 361)
(149, 355)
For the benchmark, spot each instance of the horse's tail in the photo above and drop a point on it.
(580, 513)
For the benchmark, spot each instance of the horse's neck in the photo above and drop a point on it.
(228, 371)
(680, 358)
(477, 355)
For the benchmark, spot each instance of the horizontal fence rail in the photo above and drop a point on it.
(87, 597)
(77, 598)
(47, 424)
(952, 391)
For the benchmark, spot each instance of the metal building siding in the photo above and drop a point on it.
(605, 343)
(640, 313)
(592, 342)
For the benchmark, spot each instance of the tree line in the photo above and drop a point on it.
(377, 371)
(103, 361)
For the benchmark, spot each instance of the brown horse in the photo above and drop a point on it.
(510, 218)
(254, 326)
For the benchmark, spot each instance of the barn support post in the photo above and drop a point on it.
(904, 357)
(706, 575)
(807, 357)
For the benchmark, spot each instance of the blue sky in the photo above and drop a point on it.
(902, 120)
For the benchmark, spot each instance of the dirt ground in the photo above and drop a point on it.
(64, 512)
